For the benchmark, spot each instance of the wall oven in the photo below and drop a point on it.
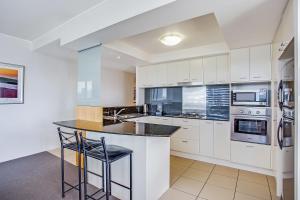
(251, 125)
(254, 97)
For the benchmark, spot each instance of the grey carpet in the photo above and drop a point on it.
(36, 177)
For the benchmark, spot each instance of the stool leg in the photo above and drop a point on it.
(79, 174)
(130, 162)
(103, 176)
(85, 177)
(107, 180)
(62, 172)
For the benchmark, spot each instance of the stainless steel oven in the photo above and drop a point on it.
(249, 124)
(254, 97)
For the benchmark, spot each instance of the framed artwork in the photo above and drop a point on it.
(11, 83)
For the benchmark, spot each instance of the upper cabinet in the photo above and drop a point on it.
(251, 64)
(240, 65)
(222, 69)
(196, 70)
(210, 70)
(160, 75)
(260, 63)
(183, 70)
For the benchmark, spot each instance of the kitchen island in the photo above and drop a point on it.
(151, 155)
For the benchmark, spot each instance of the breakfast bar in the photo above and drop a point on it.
(150, 144)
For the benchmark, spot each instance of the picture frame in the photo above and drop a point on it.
(11, 83)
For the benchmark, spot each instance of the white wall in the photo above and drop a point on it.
(117, 87)
(49, 95)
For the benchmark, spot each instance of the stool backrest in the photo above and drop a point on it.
(68, 138)
(98, 146)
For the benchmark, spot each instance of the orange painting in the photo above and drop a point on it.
(9, 73)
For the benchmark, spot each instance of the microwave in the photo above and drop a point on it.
(255, 97)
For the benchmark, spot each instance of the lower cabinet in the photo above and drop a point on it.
(185, 145)
(222, 140)
(256, 155)
(207, 138)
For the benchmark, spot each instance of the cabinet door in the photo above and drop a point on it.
(188, 132)
(210, 70)
(260, 63)
(161, 75)
(239, 65)
(222, 140)
(185, 145)
(196, 70)
(222, 69)
(206, 138)
(141, 77)
(171, 75)
(256, 155)
(183, 71)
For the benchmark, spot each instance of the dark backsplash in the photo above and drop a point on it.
(210, 101)
(128, 109)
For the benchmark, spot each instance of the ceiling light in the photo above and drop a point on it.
(118, 57)
(171, 39)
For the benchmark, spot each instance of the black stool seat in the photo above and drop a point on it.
(114, 153)
(73, 146)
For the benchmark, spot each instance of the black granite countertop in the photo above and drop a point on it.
(120, 127)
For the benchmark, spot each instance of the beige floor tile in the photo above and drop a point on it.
(272, 185)
(253, 177)
(181, 163)
(274, 197)
(196, 174)
(173, 194)
(226, 171)
(212, 192)
(241, 196)
(253, 189)
(222, 181)
(188, 185)
(202, 166)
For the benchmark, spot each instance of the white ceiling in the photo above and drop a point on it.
(29, 19)
(196, 32)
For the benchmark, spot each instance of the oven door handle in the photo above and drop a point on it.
(279, 95)
(251, 117)
(280, 139)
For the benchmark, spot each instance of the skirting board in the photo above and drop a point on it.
(268, 172)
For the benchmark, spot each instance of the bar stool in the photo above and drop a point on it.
(70, 141)
(107, 154)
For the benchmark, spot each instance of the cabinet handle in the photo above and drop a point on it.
(256, 76)
(185, 128)
(248, 146)
(243, 77)
(184, 141)
(165, 119)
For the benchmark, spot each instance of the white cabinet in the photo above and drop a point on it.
(256, 155)
(240, 65)
(160, 75)
(207, 138)
(185, 145)
(222, 140)
(260, 63)
(146, 76)
(171, 75)
(222, 69)
(196, 70)
(183, 71)
(210, 70)
(141, 77)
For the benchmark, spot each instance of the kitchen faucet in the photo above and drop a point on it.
(116, 114)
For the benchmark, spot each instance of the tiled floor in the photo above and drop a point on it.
(195, 180)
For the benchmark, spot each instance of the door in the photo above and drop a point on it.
(222, 140)
(207, 138)
(239, 65)
(210, 70)
(196, 70)
(222, 69)
(260, 63)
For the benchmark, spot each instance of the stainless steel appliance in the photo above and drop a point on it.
(250, 95)
(285, 117)
(251, 124)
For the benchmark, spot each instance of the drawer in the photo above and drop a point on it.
(188, 132)
(185, 145)
(185, 122)
(251, 154)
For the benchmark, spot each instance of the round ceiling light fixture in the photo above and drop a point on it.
(171, 39)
